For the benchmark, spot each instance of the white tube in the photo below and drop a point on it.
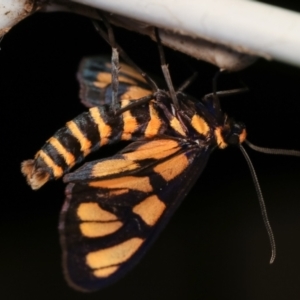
(259, 28)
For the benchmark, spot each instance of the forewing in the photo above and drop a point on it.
(94, 77)
(115, 207)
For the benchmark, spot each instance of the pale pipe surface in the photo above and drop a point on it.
(259, 28)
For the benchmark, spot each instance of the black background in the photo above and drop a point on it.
(216, 246)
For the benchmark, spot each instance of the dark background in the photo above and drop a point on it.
(216, 246)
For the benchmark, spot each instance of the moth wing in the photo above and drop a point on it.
(94, 76)
(115, 207)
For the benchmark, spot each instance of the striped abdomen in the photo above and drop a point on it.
(87, 133)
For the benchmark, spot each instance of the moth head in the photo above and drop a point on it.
(235, 133)
(232, 133)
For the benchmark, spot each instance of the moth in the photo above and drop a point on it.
(115, 207)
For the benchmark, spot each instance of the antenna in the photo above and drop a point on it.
(262, 204)
(272, 150)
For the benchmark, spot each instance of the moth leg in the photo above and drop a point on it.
(165, 70)
(136, 103)
(227, 93)
(187, 82)
(115, 65)
(126, 58)
(212, 99)
(115, 70)
(215, 95)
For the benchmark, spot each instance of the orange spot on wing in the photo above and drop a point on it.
(135, 93)
(114, 255)
(126, 72)
(99, 229)
(150, 209)
(129, 71)
(117, 193)
(155, 149)
(103, 80)
(91, 211)
(105, 272)
(172, 167)
(113, 166)
(134, 183)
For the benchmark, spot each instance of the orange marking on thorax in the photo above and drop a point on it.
(175, 124)
(200, 125)
(154, 124)
(220, 141)
(243, 136)
(130, 123)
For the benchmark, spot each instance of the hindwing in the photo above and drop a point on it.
(115, 207)
(94, 77)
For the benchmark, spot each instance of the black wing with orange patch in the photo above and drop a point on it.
(115, 207)
(94, 77)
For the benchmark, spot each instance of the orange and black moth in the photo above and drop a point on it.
(115, 207)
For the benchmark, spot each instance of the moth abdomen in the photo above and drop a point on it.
(70, 145)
